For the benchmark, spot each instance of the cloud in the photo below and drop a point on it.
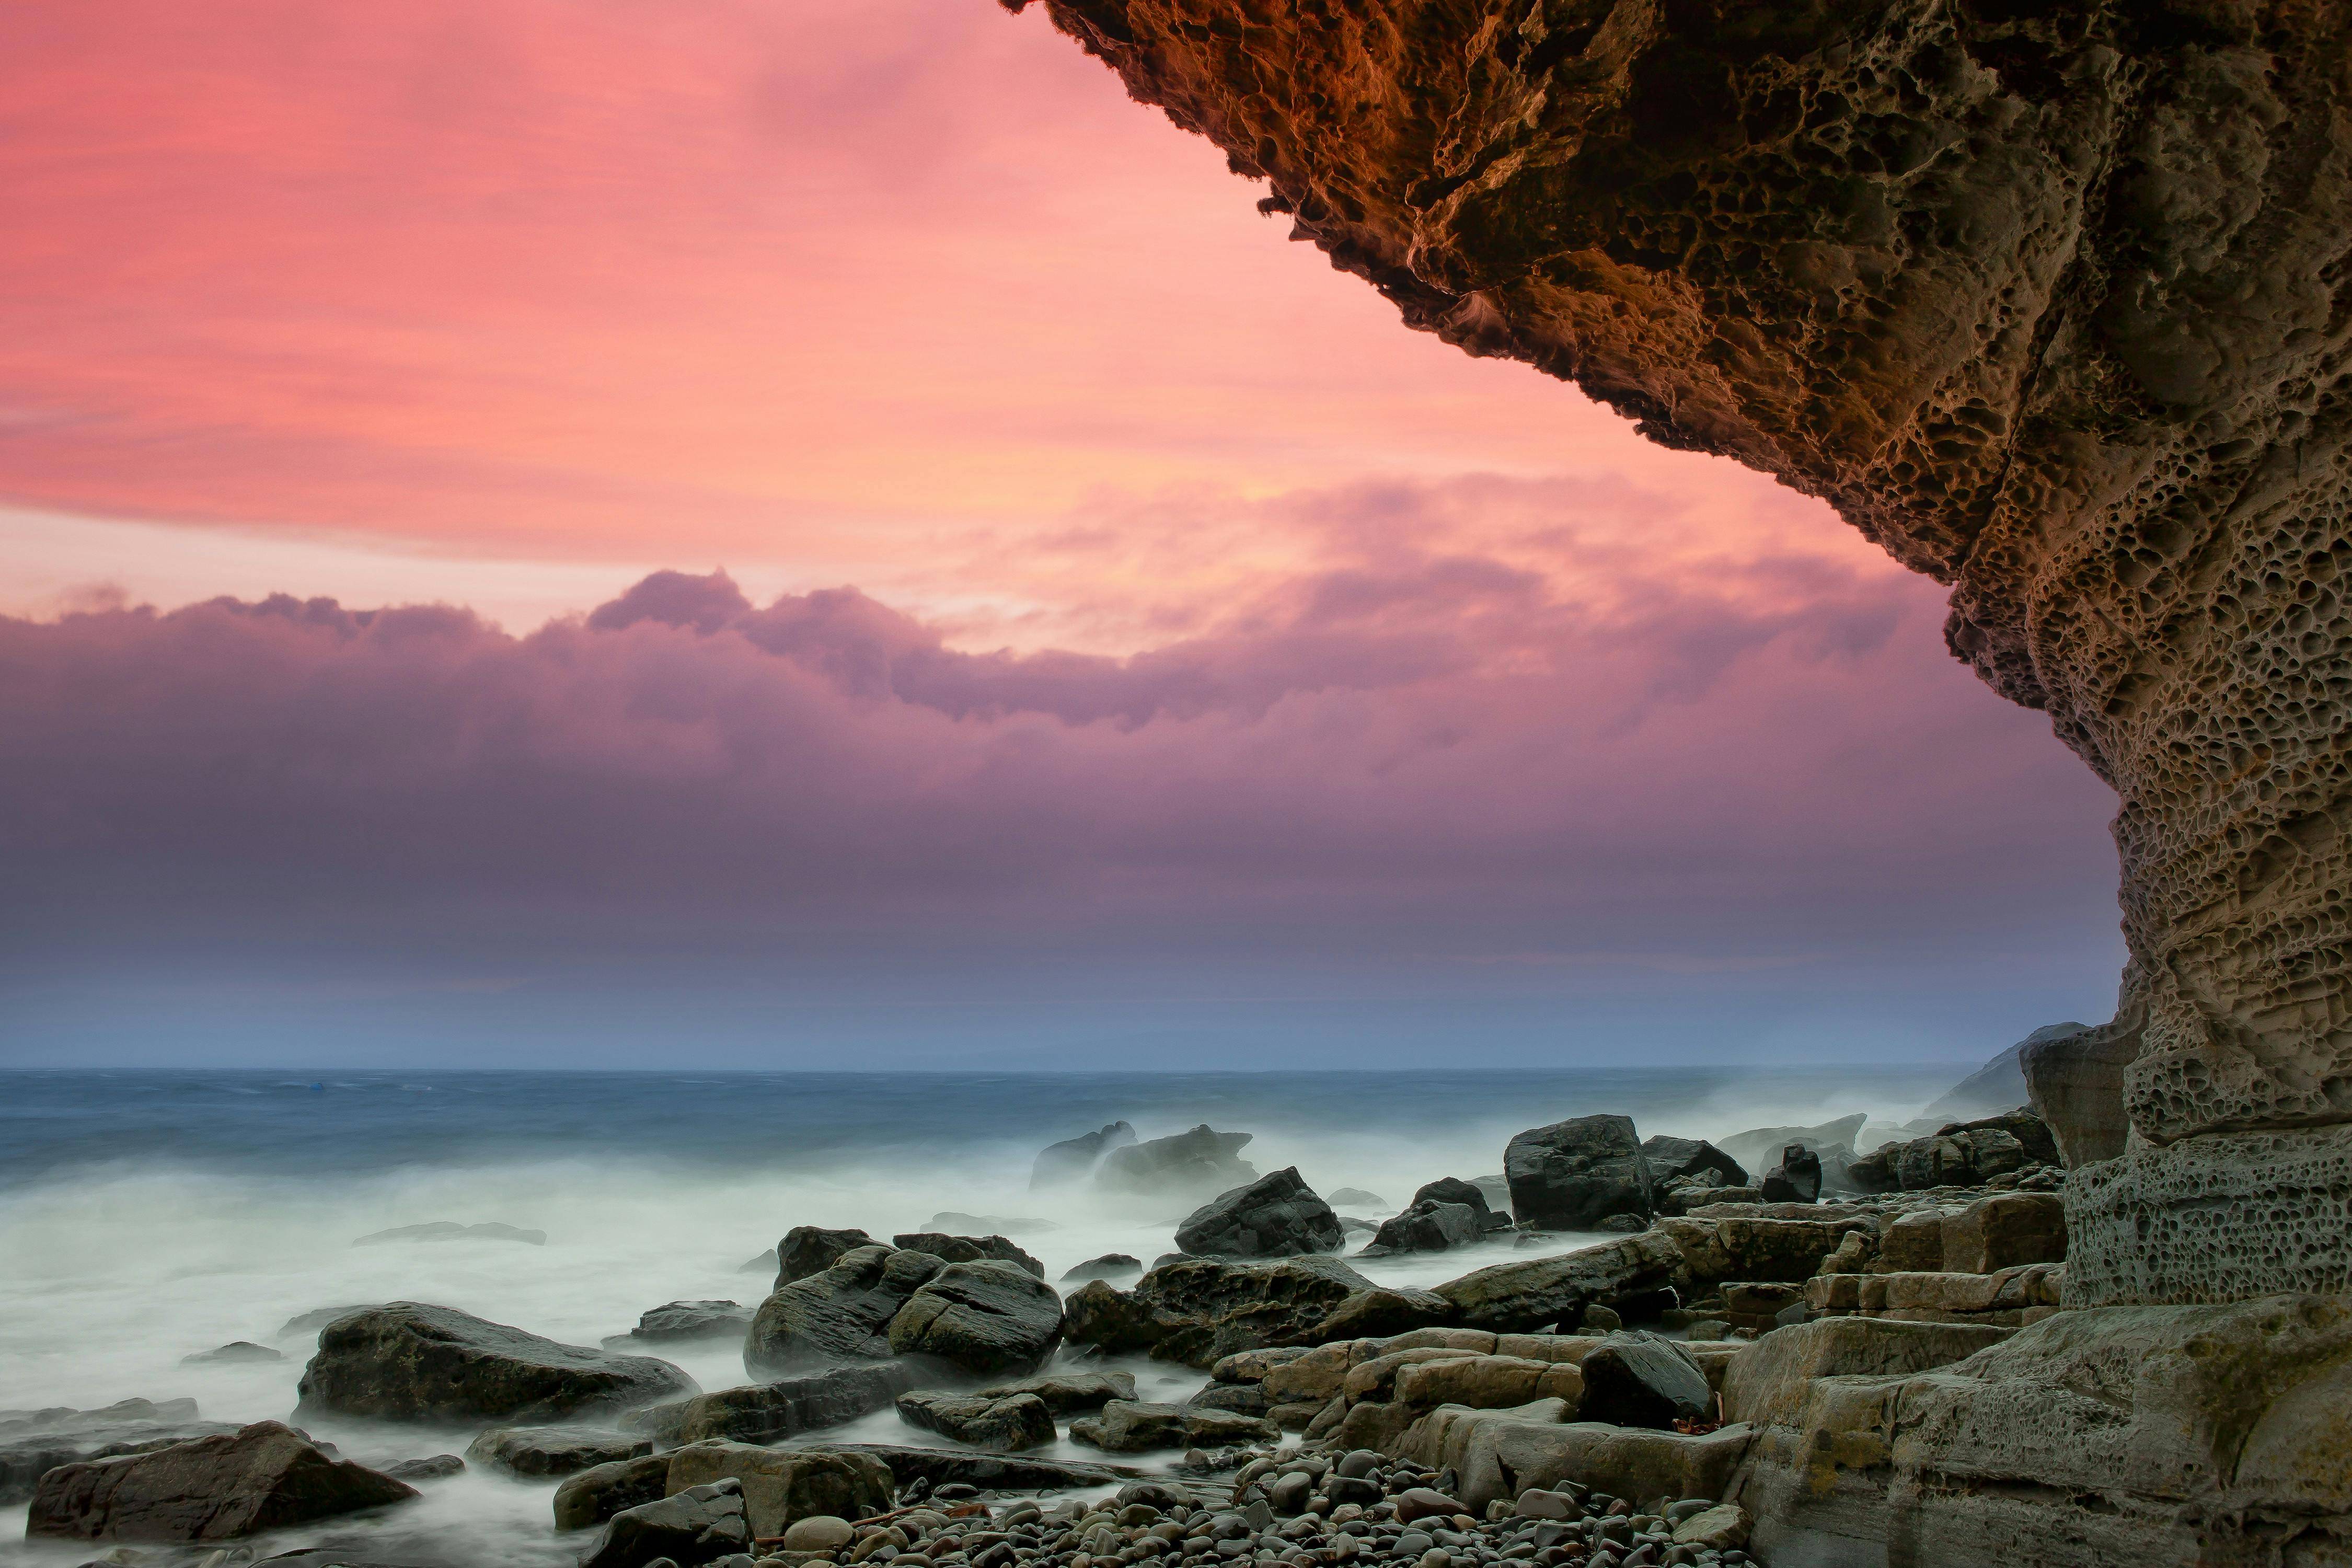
(1450, 750)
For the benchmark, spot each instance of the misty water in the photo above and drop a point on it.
(144, 1216)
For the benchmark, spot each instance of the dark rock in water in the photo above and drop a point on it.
(1195, 1310)
(698, 1525)
(1127, 1426)
(1203, 1161)
(1692, 1157)
(1797, 1179)
(1641, 1380)
(553, 1450)
(936, 1467)
(264, 1477)
(1470, 1194)
(968, 1250)
(308, 1323)
(765, 1412)
(412, 1362)
(1379, 1312)
(808, 1249)
(1575, 1173)
(685, 1321)
(1006, 1424)
(1064, 1392)
(1431, 1226)
(232, 1354)
(1760, 1149)
(949, 1222)
(1277, 1215)
(1521, 1297)
(838, 1316)
(991, 1318)
(1075, 1159)
(593, 1496)
(1109, 1266)
(449, 1230)
(1241, 1398)
(432, 1468)
(1623, 1223)
(1962, 1154)
(1356, 1197)
(35, 1442)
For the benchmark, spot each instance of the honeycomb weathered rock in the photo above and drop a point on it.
(2050, 299)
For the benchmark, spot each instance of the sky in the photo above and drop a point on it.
(777, 533)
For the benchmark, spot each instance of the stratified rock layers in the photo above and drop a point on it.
(2051, 302)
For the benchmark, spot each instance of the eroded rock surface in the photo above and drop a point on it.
(2051, 302)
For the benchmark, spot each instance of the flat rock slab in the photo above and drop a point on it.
(412, 1362)
(1068, 1391)
(263, 1476)
(1006, 1424)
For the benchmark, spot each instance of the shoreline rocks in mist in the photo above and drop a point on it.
(1202, 1162)
(808, 1249)
(34, 1442)
(838, 1316)
(410, 1361)
(263, 1476)
(1004, 1424)
(1109, 1266)
(767, 1412)
(554, 1450)
(987, 1317)
(233, 1354)
(674, 1323)
(968, 1248)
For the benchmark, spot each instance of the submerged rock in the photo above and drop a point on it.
(1356, 1197)
(34, 1442)
(1573, 1174)
(1203, 1161)
(412, 1362)
(838, 1316)
(233, 1353)
(1075, 1159)
(1064, 1392)
(1277, 1215)
(1109, 1266)
(432, 1468)
(306, 1325)
(699, 1525)
(677, 1321)
(263, 1476)
(450, 1230)
(553, 1450)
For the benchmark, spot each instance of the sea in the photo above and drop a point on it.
(148, 1215)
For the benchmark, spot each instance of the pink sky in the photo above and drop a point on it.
(1206, 623)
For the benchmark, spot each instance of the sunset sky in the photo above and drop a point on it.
(816, 536)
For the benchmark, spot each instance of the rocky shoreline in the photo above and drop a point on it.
(1733, 1376)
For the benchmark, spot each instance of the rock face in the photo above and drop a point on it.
(808, 1249)
(1574, 1174)
(1277, 1215)
(989, 1318)
(838, 1316)
(1430, 1225)
(265, 1477)
(2047, 303)
(1203, 1162)
(1075, 1159)
(411, 1362)
(1692, 1157)
(2075, 1081)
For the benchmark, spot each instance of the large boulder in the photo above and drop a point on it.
(949, 1248)
(1797, 1179)
(1196, 1310)
(1761, 1147)
(1075, 1159)
(1693, 1159)
(554, 1450)
(1277, 1215)
(696, 1525)
(837, 1317)
(1962, 1154)
(1429, 1226)
(1574, 1174)
(267, 1476)
(989, 1318)
(35, 1442)
(808, 1249)
(781, 1484)
(1528, 1294)
(1006, 1424)
(765, 1412)
(1203, 1161)
(1470, 1194)
(412, 1361)
(1642, 1379)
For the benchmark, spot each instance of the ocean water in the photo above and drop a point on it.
(147, 1216)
